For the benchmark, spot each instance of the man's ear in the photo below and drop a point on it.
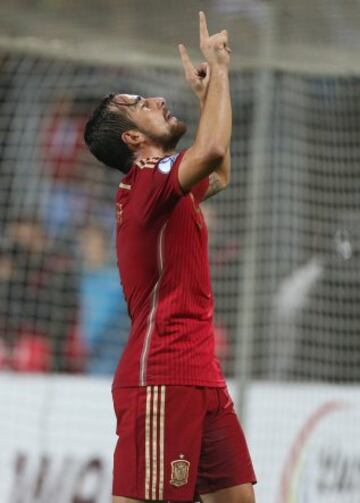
(132, 138)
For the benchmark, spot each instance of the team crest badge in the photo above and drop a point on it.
(166, 163)
(179, 472)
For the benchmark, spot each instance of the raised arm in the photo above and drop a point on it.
(198, 78)
(212, 139)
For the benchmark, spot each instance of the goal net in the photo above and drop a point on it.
(284, 239)
(62, 304)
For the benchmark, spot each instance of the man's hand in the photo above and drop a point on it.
(216, 51)
(215, 47)
(198, 77)
(210, 150)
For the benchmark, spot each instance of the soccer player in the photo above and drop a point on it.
(178, 433)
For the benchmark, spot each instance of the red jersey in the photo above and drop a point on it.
(163, 262)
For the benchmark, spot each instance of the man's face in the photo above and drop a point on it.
(152, 117)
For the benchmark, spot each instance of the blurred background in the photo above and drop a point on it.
(284, 238)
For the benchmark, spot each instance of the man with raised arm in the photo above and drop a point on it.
(178, 433)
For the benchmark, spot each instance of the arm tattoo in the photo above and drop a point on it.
(215, 186)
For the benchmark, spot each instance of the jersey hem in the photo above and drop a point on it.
(165, 382)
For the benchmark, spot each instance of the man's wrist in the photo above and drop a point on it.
(222, 67)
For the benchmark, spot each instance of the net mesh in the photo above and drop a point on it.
(60, 295)
(284, 237)
(306, 300)
(57, 220)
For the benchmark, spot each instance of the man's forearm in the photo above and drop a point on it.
(212, 138)
(223, 170)
(216, 115)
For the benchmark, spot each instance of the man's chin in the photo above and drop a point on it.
(174, 120)
(177, 132)
(177, 129)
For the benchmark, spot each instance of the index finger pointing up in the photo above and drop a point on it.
(186, 61)
(204, 32)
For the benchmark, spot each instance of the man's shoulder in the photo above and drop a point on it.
(152, 186)
(162, 164)
(167, 162)
(151, 172)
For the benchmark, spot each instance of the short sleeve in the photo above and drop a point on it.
(157, 188)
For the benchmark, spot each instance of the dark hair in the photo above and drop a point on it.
(103, 135)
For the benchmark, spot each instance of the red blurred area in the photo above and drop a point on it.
(31, 353)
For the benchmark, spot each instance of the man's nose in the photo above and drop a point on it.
(160, 102)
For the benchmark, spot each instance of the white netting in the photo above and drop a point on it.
(60, 293)
(284, 238)
(55, 199)
(306, 254)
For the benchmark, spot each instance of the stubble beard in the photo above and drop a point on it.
(169, 140)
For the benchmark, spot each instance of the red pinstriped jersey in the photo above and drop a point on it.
(164, 269)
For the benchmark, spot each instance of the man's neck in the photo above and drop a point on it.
(149, 151)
